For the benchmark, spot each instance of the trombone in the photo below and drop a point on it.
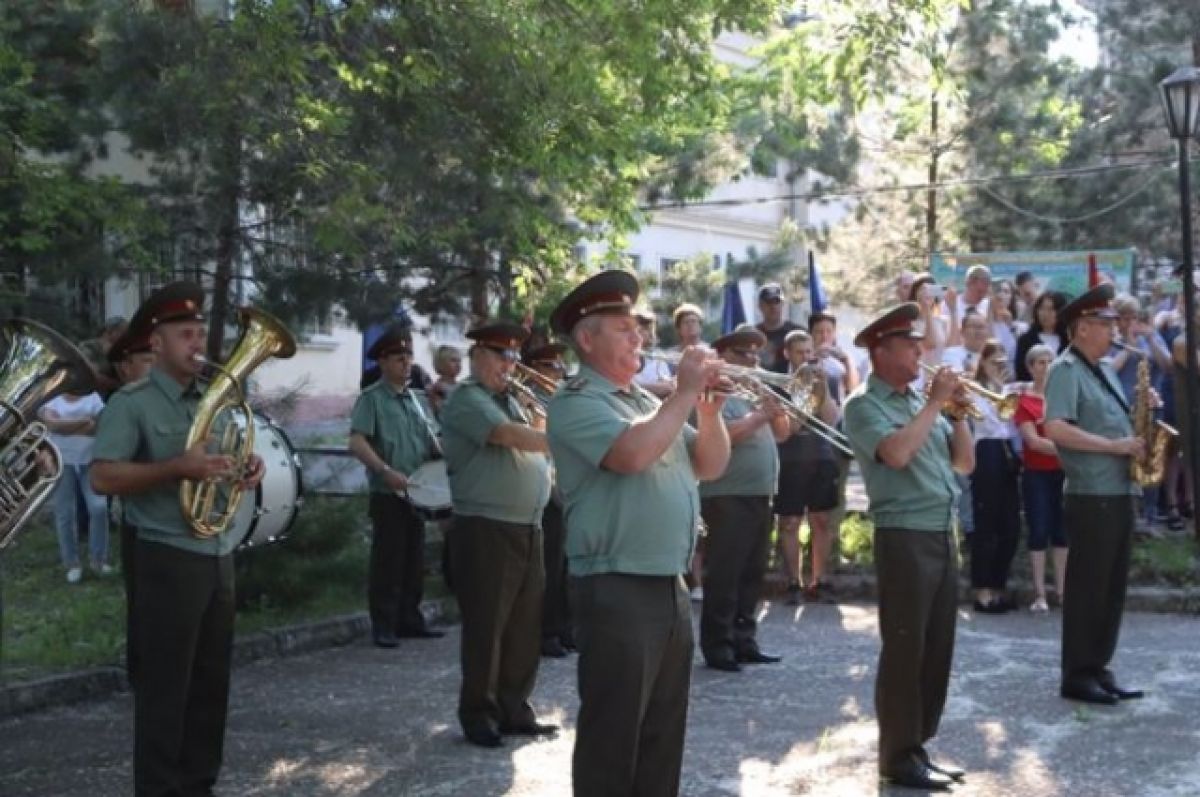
(1005, 404)
(755, 391)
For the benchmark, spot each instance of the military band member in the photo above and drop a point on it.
(628, 466)
(500, 483)
(1087, 418)
(184, 585)
(909, 454)
(391, 433)
(131, 357)
(737, 512)
(655, 374)
(557, 638)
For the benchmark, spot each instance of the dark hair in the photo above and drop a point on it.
(1023, 277)
(989, 350)
(1032, 336)
(1012, 300)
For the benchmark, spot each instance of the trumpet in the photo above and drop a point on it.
(517, 384)
(1005, 404)
(735, 373)
(528, 376)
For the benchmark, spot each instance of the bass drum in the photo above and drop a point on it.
(267, 516)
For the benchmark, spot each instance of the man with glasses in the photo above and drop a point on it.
(391, 434)
(655, 375)
(1087, 418)
(496, 457)
(736, 508)
(774, 327)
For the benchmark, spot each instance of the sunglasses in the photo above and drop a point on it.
(553, 365)
(508, 355)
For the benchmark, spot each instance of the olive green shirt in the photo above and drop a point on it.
(489, 480)
(753, 467)
(397, 424)
(637, 523)
(148, 421)
(920, 496)
(1075, 394)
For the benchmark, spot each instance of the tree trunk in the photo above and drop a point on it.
(931, 234)
(227, 243)
(479, 285)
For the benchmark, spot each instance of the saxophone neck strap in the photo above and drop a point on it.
(1094, 368)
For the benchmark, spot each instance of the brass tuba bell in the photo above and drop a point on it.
(210, 505)
(38, 364)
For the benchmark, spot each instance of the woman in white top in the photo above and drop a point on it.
(1005, 324)
(71, 420)
(993, 490)
(1045, 330)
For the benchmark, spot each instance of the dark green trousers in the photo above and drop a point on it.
(184, 613)
(735, 563)
(499, 581)
(556, 608)
(635, 666)
(917, 574)
(1099, 530)
(128, 559)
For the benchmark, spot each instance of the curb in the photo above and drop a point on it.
(1155, 600)
(74, 687)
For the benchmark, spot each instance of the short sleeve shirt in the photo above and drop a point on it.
(920, 496)
(753, 467)
(636, 523)
(1074, 393)
(486, 479)
(398, 425)
(149, 421)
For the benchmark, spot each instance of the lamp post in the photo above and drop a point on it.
(1181, 102)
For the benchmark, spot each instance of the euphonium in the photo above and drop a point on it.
(262, 336)
(38, 364)
(1150, 468)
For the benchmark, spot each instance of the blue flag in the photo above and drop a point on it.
(732, 313)
(817, 300)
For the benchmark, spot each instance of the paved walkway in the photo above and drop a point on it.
(362, 721)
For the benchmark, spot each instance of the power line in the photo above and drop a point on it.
(1075, 220)
(1056, 174)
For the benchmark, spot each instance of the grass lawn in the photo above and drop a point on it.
(51, 626)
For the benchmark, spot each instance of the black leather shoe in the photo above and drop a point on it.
(552, 648)
(994, 606)
(419, 633)
(531, 729)
(1119, 693)
(724, 664)
(756, 656)
(383, 639)
(949, 771)
(916, 775)
(484, 737)
(568, 643)
(1088, 692)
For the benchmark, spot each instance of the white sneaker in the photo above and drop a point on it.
(74, 575)
(1039, 606)
(698, 594)
(104, 570)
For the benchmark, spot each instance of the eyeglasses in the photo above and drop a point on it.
(553, 365)
(745, 352)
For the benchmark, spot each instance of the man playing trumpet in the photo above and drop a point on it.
(628, 466)
(909, 453)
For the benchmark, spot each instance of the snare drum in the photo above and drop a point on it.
(269, 514)
(429, 490)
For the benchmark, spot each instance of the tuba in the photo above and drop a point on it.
(210, 505)
(38, 364)
(1151, 467)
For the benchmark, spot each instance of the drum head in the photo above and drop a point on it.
(267, 515)
(429, 489)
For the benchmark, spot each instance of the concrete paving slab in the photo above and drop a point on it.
(361, 721)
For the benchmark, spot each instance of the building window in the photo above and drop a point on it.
(633, 260)
(665, 264)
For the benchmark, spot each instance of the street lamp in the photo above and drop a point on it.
(1181, 102)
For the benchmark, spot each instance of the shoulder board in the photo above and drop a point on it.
(576, 383)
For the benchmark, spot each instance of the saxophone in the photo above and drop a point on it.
(1148, 469)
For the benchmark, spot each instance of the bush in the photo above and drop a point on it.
(856, 540)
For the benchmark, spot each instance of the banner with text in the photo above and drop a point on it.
(1065, 272)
